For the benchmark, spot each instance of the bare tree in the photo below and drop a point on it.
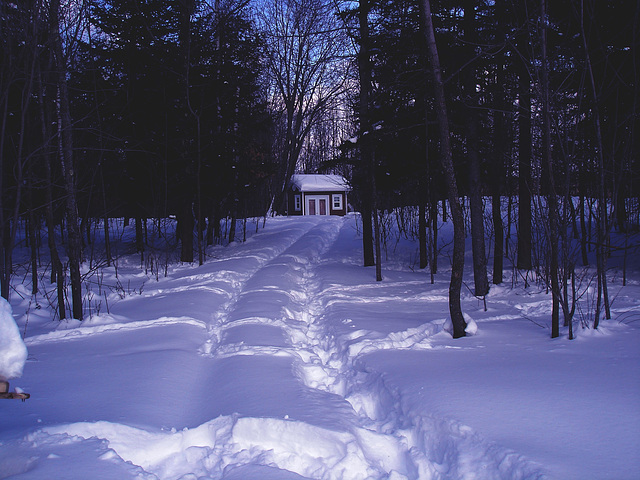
(17, 78)
(65, 143)
(446, 158)
(525, 186)
(481, 282)
(552, 199)
(601, 223)
(364, 171)
(307, 73)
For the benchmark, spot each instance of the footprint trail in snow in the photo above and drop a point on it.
(283, 347)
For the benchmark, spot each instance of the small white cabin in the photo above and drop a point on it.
(315, 194)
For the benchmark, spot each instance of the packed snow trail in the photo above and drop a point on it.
(269, 372)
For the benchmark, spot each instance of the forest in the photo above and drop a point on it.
(515, 119)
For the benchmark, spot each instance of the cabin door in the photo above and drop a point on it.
(317, 204)
(322, 203)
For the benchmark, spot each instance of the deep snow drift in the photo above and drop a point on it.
(282, 358)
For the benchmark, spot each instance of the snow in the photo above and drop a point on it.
(319, 183)
(13, 352)
(282, 358)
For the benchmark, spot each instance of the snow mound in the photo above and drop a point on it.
(231, 441)
(471, 328)
(13, 351)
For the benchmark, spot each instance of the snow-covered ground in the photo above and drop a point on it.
(282, 358)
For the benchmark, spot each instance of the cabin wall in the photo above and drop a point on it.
(294, 207)
(298, 202)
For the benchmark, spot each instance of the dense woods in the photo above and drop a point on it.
(516, 118)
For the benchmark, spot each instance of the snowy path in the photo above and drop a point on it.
(282, 358)
(271, 339)
(276, 324)
(265, 382)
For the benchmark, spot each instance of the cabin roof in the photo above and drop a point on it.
(319, 183)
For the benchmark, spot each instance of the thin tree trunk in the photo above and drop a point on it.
(366, 148)
(476, 205)
(185, 219)
(524, 162)
(33, 242)
(209, 233)
(434, 243)
(583, 232)
(500, 142)
(10, 228)
(423, 197)
(6, 259)
(139, 235)
(57, 273)
(4, 283)
(457, 268)
(105, 217)
(422, 234)
(4, 280)
(376, 234)
(552, 200)
(74, 241)
(601, 224)
(199, 191)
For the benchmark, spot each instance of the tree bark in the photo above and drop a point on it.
(500, 142)
(366, 149)
(524, 159)
(423, 196)
(481, 282)
(552, 199)
(457, 267)
(422, 234)
(10, 227)
(601, 223)
(376, 234)
(74, 241)
(57, 273)
(139, 234)
(185, 227)
(434, 244)
(33, 242)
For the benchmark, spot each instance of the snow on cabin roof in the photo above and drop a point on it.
(319, 183)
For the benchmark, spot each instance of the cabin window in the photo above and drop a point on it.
(337, 202)
(297, 203)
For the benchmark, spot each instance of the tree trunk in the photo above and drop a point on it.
(601, 223)
(185, 220)
(105, 219)
(139, 234)
(434, 244)
(500, 142)
(423, 196)
(552, 199)
(583, 232)
(457, 268)
(4, 280)
(209, 233)
(422, 234)
(57, 273)
(33, 243)
(74, 241)
(11, 225)
(376, 235)
(524, 161)
(481, 282)
(366, 148)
